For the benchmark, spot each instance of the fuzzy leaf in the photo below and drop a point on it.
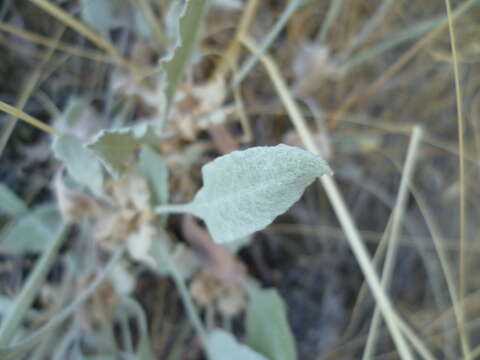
(188, 26)
(267, 326)
(152, 166)
(10, 203)
(112, 147)
(81, 164)
(244, 191)
(222, 345)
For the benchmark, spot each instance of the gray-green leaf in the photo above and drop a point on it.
(81, 164)
(10, 203)
(73, 112)
(31, 232)
(222, 345)
(267, 326)
(112, 148)
(188, 27)
(152, 166)
(245, 191)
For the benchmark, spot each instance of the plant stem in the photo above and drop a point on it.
(398, 213)
(357, 245)
(330, 18)
(15, 351)
(162, 254)
(290, 9)
(173, 208)
(463, 263)
(25, 298)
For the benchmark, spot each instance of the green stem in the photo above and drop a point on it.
(162, 254)
(15, 352)
(173, 208)
(24, 300)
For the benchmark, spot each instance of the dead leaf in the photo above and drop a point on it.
(222, 264)
(98, 310)
(74, 205)
(229, 298)
(311, 66)
(129, 218)
(191, 102)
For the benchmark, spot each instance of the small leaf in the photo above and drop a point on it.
(188, 27)
(31, 232)
(152, 166)
(222, 345)
(81, 164)
(112, 147)
(267, 326)
(10, 203)
(244, 191)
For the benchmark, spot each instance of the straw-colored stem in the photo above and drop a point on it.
(153, 21)
(463, 270)
(16, 113)
(28, 88)
(398, 214)
(289, 10)
(338, 204)
(48, 42)
(398, 65)
(82, 29)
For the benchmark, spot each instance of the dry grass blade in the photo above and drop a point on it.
(27, 90)
(398, 213)
(398, 65)
(154, 23)
(17, 113)
(289, 10)
(463, 270)
(24, 300)
(47, 42)
(73, 23)
(330, 18)
(439, 244)
(229, 59)
(391, 317)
